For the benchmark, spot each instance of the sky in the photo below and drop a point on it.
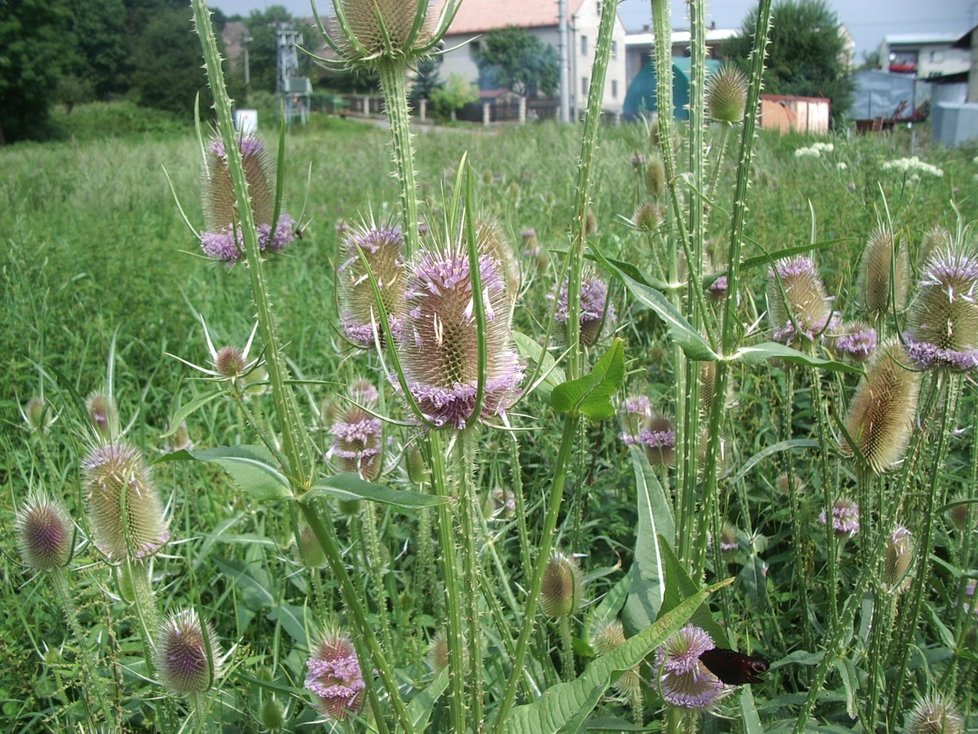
(867, 20)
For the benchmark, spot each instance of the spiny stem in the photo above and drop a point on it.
(393, 84)
(470, 569)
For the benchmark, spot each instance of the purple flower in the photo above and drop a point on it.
(803, 311)
(228, 244)
(383, 249)
(858, 343)
(970, 600)
(845, 518)
(718, 288)
(930, 356)
(440, 338)
(334, 677)
(249, 145)
(683, 680)
(594, 298)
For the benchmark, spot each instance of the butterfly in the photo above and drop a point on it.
(732, 667)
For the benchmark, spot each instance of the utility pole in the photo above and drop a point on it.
(247, 65)
(564, 60)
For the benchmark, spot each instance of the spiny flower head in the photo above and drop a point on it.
(963, 514)
(897, 559)
(440, 338)
(726, 94)
(683, 680)
(357, 436)
(882, 412)
(334, 676)
(491, 240)
(383, 248)
(375, 32)
(595, 308)
(605, 640)
(805, 311)
(102, 414)
(933, 715)
(943, 321)
(655, 177)
(181, 657)
(44, 533)
(845, 518)
(936, 240)
(562, 592)
(882, 258)
(653, 432)
(223, 238)
(857, 341)
(37, 414)
(971, 598)
(123, 504)
(647, 216)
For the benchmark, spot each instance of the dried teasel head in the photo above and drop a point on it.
(562, 592)
(883, 270)
(882, 412)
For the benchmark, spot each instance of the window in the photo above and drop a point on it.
(583, 45)
(614, 89)
(614, 49)
(585, 85)
(937, 56)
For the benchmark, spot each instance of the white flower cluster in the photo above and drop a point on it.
(814, 150)
(841, 165)
(913, 166)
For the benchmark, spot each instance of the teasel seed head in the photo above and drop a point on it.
(491, 240)
(357, 436)
(943, 320)
(37, 414)
(562, 593)
(123, 504)
(805, 310)
(845, 518)
(595, 308)
(655, 177)
(684, 681)
(180, 652)
(726, 95)
(782, 484)
(383, 248)
(223, 238)
(882, 412)
(44, 533)
(102, 414)
(934, 715)
(335, 677)
(384, 31)
(897, 559)
(605, 640)
(857, 341)
(936, 240)
(438, 652)
(440, 340)
(877, 265)
(963, 514)
(647, 216)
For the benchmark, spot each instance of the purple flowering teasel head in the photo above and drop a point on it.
(44, 532)
(845, 518)
(683, 680)
(942, 324)
(595, 311)
(857, 341)
(357, 434)
(334, 676)
(382, 245)
(222, 238)
(804, 311)
(440, 339)
(181, 654)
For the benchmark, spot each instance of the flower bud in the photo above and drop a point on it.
(647, 216)
(37, 414)
(655, 177)
(875, 268)
(562, 592)
(726, 94)
(595, 309)
(181, 654)
(845, 518)
(897, 559)
(963, 514)
(272, 715)
(310, 552)
(102, 414)
(44, 534)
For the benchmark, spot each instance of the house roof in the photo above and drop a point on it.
(713, 35)
(920, 39)
(478, 16)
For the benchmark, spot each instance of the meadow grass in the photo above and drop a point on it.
(96, 259)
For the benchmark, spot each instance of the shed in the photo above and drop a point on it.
(786, 113)
(640, 98)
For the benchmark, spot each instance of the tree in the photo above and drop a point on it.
(516, 59)
(807, 54)
(453, 95)
(426, 79)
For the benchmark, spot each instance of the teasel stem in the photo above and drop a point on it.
(800, 555)
(519, 500)
(450, 578)
(882, 627)
(718, 164)
(375, 560)
(92, 682)
(566, 648)
(830, 540)
(543, 556)
(948, 387)
(471, 571)
(393, 85)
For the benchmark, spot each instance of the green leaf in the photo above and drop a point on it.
(590, 395)
(420, 707)
(748, 712)
(768, 258)
(350, 486)
(654, 520)
(692, 343)
(290, 617)
(185, 411)
(252, 581)
(550, 373)
(794, 443)
(759, 353)
(565, 706)
(609, 607)
(249, 467)
(680, 586)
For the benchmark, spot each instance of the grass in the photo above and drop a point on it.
(95, 254)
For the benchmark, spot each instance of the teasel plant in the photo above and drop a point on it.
(389, 37)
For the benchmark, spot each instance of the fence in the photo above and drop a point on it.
(487, 113)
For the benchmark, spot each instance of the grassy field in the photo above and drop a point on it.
(99, 273)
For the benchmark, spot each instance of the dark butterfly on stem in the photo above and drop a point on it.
(732, 667)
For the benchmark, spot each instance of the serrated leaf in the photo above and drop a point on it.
(654, 520)
(349, 486)
(590, 395)
(759, 353)
(250, 468)
(680, 586)
(565, 706)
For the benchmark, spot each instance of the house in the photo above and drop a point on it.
(923, 54)
(540, 17)
(955, 108)
(638, 47)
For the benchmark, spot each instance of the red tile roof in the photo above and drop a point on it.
(478, 16)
